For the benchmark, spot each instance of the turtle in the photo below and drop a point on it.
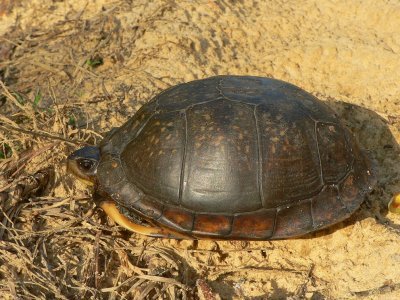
(228, 158)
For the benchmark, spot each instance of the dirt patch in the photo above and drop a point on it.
(70, 71)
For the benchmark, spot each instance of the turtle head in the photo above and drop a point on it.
(83, 164)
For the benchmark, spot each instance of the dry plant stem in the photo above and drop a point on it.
(43, 135)
(7, 93)
(30, 155)
(96, 260)
(7, 224)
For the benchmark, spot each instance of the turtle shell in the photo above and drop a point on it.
(235, 157)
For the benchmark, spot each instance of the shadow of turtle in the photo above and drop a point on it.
(372, 132)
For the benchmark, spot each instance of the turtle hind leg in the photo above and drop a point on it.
(112, 211)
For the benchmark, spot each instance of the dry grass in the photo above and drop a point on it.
(53, 98)
(69, 72)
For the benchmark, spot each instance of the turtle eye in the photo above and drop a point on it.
(86, 165)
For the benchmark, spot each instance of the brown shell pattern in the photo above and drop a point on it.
(235, 157)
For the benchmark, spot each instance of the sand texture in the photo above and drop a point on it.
(72, 70)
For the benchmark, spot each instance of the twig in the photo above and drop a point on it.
(96, 260)
(43, 135)
(32, 154)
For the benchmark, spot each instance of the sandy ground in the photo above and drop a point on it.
(71, 70)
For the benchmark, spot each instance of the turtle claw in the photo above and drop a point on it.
(394, 204)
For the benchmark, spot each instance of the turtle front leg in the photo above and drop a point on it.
(112, 211)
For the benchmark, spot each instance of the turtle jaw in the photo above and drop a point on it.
(83, 164)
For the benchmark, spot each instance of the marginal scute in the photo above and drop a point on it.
(349, 190)
(212, 224)
(177, 219)
(148, 207)
(294, 220)
(365, 174)
(256, 225)
(124, 193)
(328, 207)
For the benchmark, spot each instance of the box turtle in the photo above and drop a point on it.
(228, 157)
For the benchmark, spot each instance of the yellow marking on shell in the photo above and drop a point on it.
(394, 204)
(168, 137)
(163, 129)
(114, 164)
(157, 123)
(112, 211)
